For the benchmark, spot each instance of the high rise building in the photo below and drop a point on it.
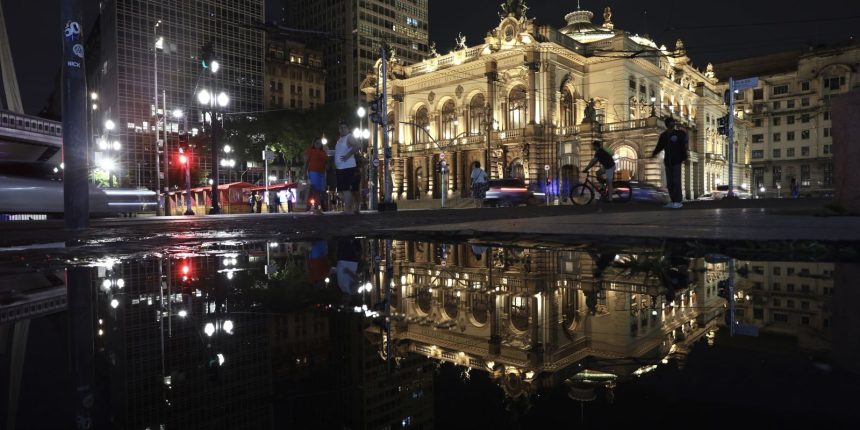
(295, 76)
(147, 43)
(790, 114)
(356, 31)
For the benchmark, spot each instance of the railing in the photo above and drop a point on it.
(30, 123)
(508, 134)
(627, 125)
(567, 131)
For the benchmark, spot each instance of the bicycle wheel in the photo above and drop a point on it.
(582, 194)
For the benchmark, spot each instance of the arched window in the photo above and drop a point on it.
(517, 170)
(449, 120)
(422, 120)
(477, 114)
(568, 109)
(517, 108)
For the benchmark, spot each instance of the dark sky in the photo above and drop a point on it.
(712, 30)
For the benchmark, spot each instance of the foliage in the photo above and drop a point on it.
(286, 132)
(100, 177)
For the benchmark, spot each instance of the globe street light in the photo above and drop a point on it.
(221, 100)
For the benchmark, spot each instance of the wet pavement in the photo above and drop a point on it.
(373, 333)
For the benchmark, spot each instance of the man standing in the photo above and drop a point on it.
(315, 167)
(675, 145)
(344, 161)
(604, 157)
(479, 183)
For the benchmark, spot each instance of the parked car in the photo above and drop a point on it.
(706, 196)
(508, 193)
(722, 192)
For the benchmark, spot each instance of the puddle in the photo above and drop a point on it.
(245, 334)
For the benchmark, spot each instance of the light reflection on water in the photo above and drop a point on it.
(265, 335)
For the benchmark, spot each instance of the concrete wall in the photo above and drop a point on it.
(846, 151)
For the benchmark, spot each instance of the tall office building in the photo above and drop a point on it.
(357, 28)
(124, 78)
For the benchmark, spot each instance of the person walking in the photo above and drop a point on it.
(795, 189)
(252, 200)
(479, 183)
(276, 199)
(604, 157)
(315, 166)
(347, 176)
(259, 203)
(674, 143)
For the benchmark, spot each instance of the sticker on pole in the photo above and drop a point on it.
(441, 156)
(375, 162)
(546, 167)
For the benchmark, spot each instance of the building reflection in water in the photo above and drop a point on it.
(306, 335)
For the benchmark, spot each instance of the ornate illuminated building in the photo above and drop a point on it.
(535, 318)
(790, 114)
(535, 97)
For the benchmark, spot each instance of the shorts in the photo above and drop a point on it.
(479, 190)
(347, 180)
(610, 176)
(317, 181)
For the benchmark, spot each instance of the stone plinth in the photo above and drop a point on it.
(845, 113)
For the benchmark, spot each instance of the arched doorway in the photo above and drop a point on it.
(517, 170)
(568, 180)
(419, 183)
(626, 162)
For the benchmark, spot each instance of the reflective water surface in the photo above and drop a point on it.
(366, 333)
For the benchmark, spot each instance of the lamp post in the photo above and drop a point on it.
(105, 161)
(185, 161)
(158, 43)
(221, 100)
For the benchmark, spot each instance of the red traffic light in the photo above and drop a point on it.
(183, 159)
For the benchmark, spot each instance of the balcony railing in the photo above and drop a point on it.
(30, 123)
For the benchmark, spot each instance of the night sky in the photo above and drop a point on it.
(713, 31)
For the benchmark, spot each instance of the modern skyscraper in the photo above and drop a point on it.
(357, 29)
(144, 44)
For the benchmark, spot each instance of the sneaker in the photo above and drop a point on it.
(669, 205)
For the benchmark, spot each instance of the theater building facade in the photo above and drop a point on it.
(530, 99)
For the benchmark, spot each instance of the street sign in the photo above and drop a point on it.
(745, 84)
(268, 155)
(546, 167)
(442, 156)
(375, 162)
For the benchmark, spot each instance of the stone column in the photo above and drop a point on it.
(492, 76)
(845, 110)
(533, 63)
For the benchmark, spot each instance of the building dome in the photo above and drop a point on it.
(580, 27)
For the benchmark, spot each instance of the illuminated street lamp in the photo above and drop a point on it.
(205, 98)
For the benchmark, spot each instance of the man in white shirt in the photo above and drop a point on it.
(347, 172)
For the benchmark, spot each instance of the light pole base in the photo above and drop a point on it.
(214, 211)
(189, 212)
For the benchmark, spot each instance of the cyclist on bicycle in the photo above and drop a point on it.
(604, 157)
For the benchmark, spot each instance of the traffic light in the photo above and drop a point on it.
(375, 104)
(723, 125)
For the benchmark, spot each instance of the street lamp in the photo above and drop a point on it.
(205, 98)
(653, 108)
(158, 44)
(185, 161)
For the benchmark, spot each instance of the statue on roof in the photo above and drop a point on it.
(679, 45)
(607, 18)
(709, 71)
(460, 41)
(433, 53)
(517, 8)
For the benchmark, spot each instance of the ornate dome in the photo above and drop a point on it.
(580, 27)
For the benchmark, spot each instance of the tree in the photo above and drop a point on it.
(286, 132)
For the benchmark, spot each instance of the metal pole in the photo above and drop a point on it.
(374, 169)
(166, 153)
(76, 198)
(731, 133)
(82, 344)
(158, 211)
(216, 209)
(188, 210)
(443, 186)
(386, 149)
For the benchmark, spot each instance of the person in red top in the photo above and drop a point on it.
(316, 160)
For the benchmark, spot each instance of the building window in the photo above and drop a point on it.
(804, 86)
(777, 137)
(777, 105)
(776, 153)
(804, 101)
(826, 149)
(777, 175)
(831, 83)
(805, 179)
(517, 102)
(804, 118)
(776, 286)
(568, 109)
(827, 115)
(790, 104)
(777, 271)
(477, 114)
(757, 153)
(740, 95)
(449, 120)
(777, 120)
(826, 131)
(789, 136)
(422, 121)
(777, 317)
(632, 84)
(789, 119)
(789, 152)
(804, 151)
(758, 94)
(804, 134)
(827, 174)
(780, 89)
(757, 122)
(757, 138)
(804, 320)
(777, 302)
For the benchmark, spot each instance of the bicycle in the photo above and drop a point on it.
(583, 193)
